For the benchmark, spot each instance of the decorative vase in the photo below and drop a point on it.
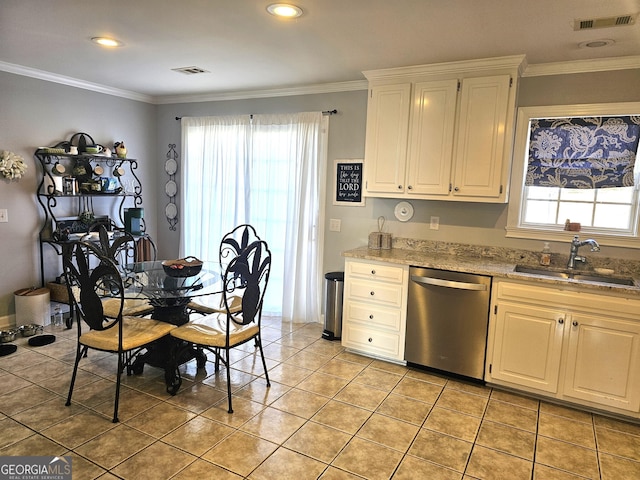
(121, 150)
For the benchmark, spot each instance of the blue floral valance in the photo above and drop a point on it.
(583, 152)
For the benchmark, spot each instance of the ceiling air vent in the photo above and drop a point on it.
(190, 70)
(604, 22)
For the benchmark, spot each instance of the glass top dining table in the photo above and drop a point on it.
(169, 294)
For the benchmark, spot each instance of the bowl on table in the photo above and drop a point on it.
(182, 267)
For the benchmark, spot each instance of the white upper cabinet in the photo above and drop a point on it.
(431, 140)
(442, 131)
(386, 142)
(480, 149)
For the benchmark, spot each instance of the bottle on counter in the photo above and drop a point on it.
(545, 256)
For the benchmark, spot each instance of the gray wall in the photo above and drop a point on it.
(38, 113)
(346, 140)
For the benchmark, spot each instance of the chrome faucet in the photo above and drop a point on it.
(575, 245)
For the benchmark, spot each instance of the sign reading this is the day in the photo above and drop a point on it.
(348, 178)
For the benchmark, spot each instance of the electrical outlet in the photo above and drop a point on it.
(435, 223)
(4, 215)
(334, 224)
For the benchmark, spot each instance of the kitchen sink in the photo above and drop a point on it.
(582, 276)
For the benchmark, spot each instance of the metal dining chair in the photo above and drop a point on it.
(231, 245)
(246, 277)
(122, 249)
(126, 336)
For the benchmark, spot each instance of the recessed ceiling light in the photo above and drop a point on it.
(285, 10)
(597, 43)
(107, 42)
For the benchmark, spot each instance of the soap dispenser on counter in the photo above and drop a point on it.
(545, 256)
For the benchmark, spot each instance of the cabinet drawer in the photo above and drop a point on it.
(372, 341)
(374, 292)
(385, 273)
(389, 318)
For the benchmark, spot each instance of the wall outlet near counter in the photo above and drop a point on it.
(435, 223)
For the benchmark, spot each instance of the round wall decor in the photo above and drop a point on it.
(403, 211)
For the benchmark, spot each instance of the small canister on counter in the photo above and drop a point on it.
(375, 240)
(385, 241)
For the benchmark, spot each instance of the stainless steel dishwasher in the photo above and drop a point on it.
(447, 321)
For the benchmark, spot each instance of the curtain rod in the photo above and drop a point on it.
(326, 112)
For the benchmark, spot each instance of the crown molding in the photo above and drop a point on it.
(276, 92)
(72, 82)
(455, 68)
(583, 66)
(518, 61)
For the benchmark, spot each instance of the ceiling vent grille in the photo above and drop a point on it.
(190, 70)
(604, 22)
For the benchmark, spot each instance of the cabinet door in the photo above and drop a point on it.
(480, 145)
(603, 362)
(431, 132)
(527, 346)
(386, 142)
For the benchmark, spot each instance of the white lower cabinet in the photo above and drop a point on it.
(374, 310)
(574, 346)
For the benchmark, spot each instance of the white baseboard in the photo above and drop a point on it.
(8, 321)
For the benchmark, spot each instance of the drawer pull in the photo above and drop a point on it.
(373, 272)
(561, 321)
(373, 293)
(371, 317)
(370, 339)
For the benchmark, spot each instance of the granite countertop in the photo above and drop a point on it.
(496, 262)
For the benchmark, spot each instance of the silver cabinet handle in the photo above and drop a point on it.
(575, 323)
(399, 187)
(439, 282)
(373, 272)
(371, 317)
(370, 339)
(561, 321)
(373, 293)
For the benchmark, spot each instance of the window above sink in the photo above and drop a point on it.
(539, 207)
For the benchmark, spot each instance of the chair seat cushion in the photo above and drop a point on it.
(131, 307)
(211, 331)
(136, 332)
(215, 304)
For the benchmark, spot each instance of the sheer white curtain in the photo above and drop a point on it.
(268, 171)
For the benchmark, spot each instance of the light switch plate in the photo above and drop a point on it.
(4, 215)
(334, 224)
(435, 223)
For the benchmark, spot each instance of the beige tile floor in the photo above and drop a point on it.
(329, 414)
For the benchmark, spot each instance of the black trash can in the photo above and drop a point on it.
(334, 288)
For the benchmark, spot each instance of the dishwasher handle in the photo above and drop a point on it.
(439, 282)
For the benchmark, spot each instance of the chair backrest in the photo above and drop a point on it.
(123, 248)
(87, 285)
(234, 242)
(247, 276)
